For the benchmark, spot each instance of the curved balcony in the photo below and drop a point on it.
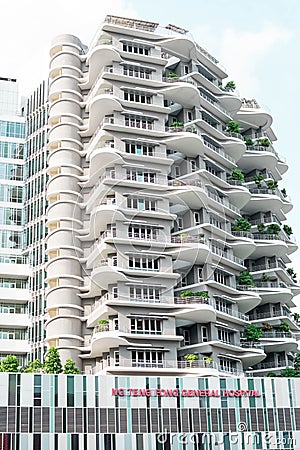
(188, 249)
(260, 158)
(164, 367)
(243, 244)
(104, 338)
(193, 309)
(182, 91)
(252, 113)
(100, 56)
(268, 245)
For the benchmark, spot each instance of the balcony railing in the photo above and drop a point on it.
(250, 344)
(266, 237)
(217, 150)
(192, 300)
(278, 335)
(244, 234)
(231, 312)
(274, 265)
(271, 219)
(270, 315)
(271, 364)
(188, 239)
(221, 200)
(233, 134)
(214, 103)
(220, 252)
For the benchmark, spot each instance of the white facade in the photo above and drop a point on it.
(144, 246)
(14, 267)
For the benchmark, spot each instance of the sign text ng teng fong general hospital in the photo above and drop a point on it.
(137, 392)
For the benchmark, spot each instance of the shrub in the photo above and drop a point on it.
(191, 357)
(233, 127)
(242, 224)
(236, 174)
(245, 278)
(230, 86)
(253, 333)
(52, 362)
(288, 230)
(248, 141)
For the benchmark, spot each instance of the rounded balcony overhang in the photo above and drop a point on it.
(104, 340)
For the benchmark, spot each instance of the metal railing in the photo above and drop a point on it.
(226, 203)
(220, 252)
(271, 364)
(250, 344)
(233, 134)
(278, 335)
(274, 265)
(266, 237)
(231, 312)
(245, 234)
(187, 239)
(270, 315)
(192, 300)
(217, 150)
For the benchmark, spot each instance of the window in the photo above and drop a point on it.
(197, 219)
(227, 365)
(139, 149)
(140, 176)
(186, 337)
(137, 71)
(142, 204)
(117, 358)
(139, 122)
(138, 263)
(193, 165)
(189, 116)
(134, 48)
(223, 306)
(144, 294)
(180, 223)
(217, 222)
(204, 334)
(199, 274)
(177, 171)
(221, 277)
(147, 358)
(137, 97)
(145, 326)
(186, 70)
(225, 335)
(145, 233)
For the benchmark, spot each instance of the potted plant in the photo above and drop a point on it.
(184, 294)
(248, 141)
(172, 75)
(288, 230)
(261, 228)
(283, 327)
(273, 228)
(265, 277)
(245, 279)
(258, 179)
(191, 357)
(253, 333)
(177, 124)
(236, 175)
(230, 86)
(292, 273)
(266, 326)
(283, 191)
(192, 129)
(208, 361)
(272, 184)
(264, 142)
(296, 317)
(242, 224)
(233, 127)
(103, 321)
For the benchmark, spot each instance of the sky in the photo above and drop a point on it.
(258, 42)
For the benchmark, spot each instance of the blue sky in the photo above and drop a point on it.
(257, 41)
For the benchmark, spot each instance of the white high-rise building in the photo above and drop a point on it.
(167, 211)
(14, 267)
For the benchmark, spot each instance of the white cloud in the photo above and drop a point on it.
(28, 27)
(244, 53)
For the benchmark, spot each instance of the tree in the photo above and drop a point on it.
(264, 142)
(288, 230)
(248, 141)
(10, 364)
(261, 228)
(253, 333)
(34, 367)
(70, 367)
(273, 228)
(284, 327)
(258, 179)
(52, 362)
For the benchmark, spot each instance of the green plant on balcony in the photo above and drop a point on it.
(242, 224)
(248, 141)
(258, 180)
(233, 127)
(261, 228)
(296, 317)
(288, 230)
(172, 75)
(202, 294)
(253, 333)
(192, 129)
(230, 86)
(288, 372)
(283, 191)
(267, 326)
(188, 293)
(272, 185)
(208, 361)
(191, 357)
(264, 142)
(265, 277)
(273, 228)
(236, 175)
(177, 124)
(271, 374)
(283, 327)
(292, 273)
(245, 279)
(103, 322)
